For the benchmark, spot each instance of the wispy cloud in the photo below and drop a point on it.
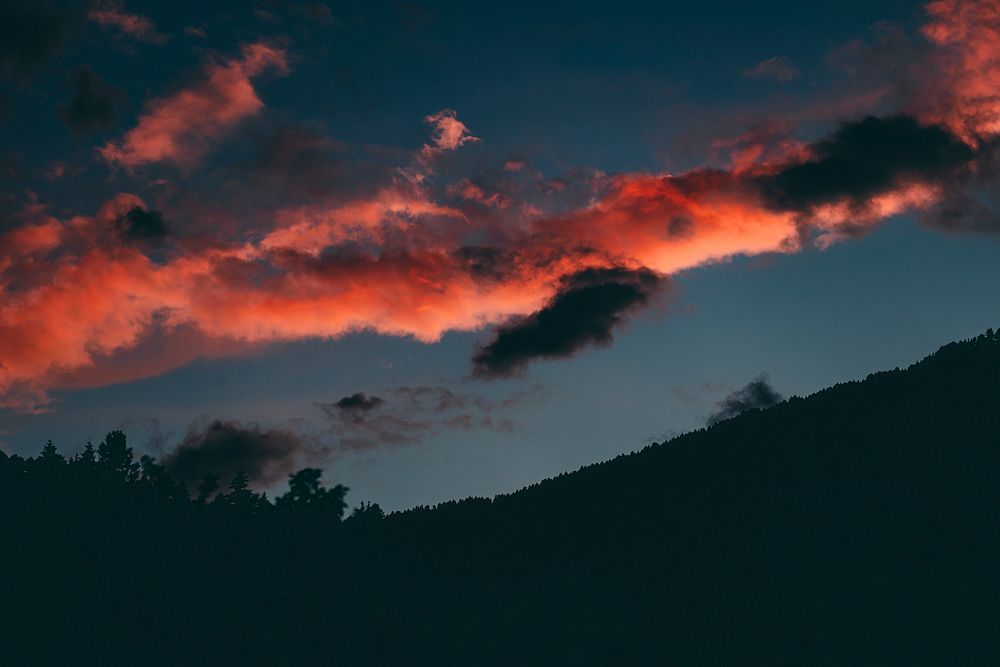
(411, 414)
(113, 15)
(777, 68)
(756, 395)
(181, 127)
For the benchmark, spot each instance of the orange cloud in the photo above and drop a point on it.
(449, 131)
(396, 264)
(468, 190)
(180, 127)
(672, 223)
(113, 15)
(78, 294)
(964, 91)
(79, 297)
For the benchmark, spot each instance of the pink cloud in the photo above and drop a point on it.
(395, 263)
(777, 68)
(449, 133)
(468, 190)
(179, 128)
(78, 295)
(964, 78)
(113, 15)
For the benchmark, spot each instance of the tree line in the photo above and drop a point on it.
(858, 525)
(112, 468)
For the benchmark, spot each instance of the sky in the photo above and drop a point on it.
(450, 249)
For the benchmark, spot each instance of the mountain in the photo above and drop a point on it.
(859, 525)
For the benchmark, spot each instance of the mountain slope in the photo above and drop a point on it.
(860, 525)
(863, 521)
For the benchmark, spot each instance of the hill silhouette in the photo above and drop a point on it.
(860, 525)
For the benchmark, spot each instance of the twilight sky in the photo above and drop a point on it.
(440, 249)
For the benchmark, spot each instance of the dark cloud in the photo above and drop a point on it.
(94, 104)
(865, 158)
(305, 161)
(409, 414)
(590, 304)
(225, 448)
(358, 403)
(31, 33)
(971, 201)
(756, 395)
(439, 400)
(974, 210)
(883, 56)
(142, 225)
(272, 165)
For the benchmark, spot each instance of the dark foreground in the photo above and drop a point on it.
(860, 526)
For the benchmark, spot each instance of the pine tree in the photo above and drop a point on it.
(50, 455)
(116, 457)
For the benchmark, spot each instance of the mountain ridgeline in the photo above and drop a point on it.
(860, 525)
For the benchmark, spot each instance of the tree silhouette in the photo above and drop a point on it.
(50, 455)
(87, 456)
(306, 492)
(367, 513)
(115, 457)
(209, 484)
(155, 476)
(241, 497)
(819, 531)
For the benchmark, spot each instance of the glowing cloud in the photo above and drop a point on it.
(113, 15)
(556, 264)
(179, 128)
(966, 91)
(449, 131)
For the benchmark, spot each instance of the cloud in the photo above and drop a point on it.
(397, 262)
(225, 448)
(409, 254)
(466, 189)
(293, 164)
(31, 33)
(111, 14)
(449, 133)
(358, 403)
(883, 56)
(758, 394)
(94, 105)
(179, 128)
(865, 158)
(961, 80)
(588, 307)
(767, 142)
(970, 201)
(777, 68)
(142, 225)
(273, 173)
(54, 171)
(410, 414)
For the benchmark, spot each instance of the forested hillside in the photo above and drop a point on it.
(860, 525)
